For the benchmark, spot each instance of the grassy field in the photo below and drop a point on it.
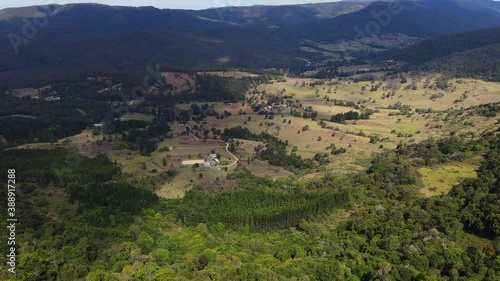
(25, 92)
(388, 123)
(28, 92)
(439, 180)
(182, 82)
(137, 116)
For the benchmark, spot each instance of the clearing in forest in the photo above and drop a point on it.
(440, 180)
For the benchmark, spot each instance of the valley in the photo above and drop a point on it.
(252, 143)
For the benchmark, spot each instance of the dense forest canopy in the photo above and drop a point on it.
(396, 234)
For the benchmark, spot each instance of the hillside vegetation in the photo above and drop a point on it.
(252, 143)
(70, 46)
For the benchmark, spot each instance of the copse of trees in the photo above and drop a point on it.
(276, 154)
(28, 121)
(21, 130)
(351, 115)
(145, 141)
(58, 166)
(262, 204)
(487, 110)
(112, 197)
(119, 126)
(240, 132)
(480, 197)
(217, 88)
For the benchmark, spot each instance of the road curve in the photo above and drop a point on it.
(227, 150)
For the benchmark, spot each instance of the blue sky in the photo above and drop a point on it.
(173, 4)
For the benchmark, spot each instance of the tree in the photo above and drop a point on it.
(145, 241)
(162, 256)
(278, 129)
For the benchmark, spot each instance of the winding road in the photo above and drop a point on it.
(227, 150)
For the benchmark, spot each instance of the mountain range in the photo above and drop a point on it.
(70, 41)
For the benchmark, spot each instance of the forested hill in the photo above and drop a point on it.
(415, 18)
(481, 63)
(470, 54)
(441, 46)
(282, 16)
(89, 39)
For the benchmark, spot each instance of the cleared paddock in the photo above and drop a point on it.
(192, 162)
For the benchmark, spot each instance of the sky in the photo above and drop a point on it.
(172, 4)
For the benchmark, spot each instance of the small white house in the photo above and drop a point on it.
(207, 165)
(53, 98)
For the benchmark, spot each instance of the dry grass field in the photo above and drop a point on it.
(137, 116)
(25, 92)
(388, 123)
(182, 82)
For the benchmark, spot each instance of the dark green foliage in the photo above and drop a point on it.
(47, 121)
(433, 151)
(351, 115)
(240, 133)
(278, 229)
(475, 202)
(391, 173)
(438, 20)
(481, 63)
(24, 130)
(120, 197)
(277, 155)
(57, 166)
(118, 127)
(487, 110)
(74, 233)
(257, 209)
(146, 140)
(473, 54)
(480, 198)
(283, 16)
(179, 39)
(442, 46)
(216, 88)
